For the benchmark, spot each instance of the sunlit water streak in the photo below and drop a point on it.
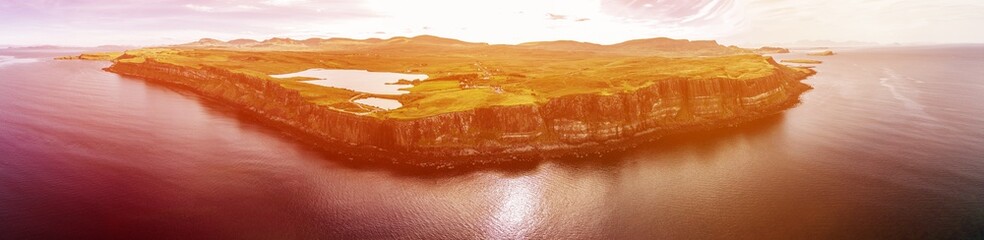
(515, 217)
(10, 60)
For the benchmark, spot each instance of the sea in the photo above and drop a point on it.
(888, 145)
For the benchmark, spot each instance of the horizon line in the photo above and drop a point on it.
(864, 43)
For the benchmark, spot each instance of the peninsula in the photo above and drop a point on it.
(449, 102)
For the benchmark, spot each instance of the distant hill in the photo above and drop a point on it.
(650, 46)
(563, 45)
(243, 41)
(665, 43)
(427, 39)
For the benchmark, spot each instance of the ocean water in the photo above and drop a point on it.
(889, 144)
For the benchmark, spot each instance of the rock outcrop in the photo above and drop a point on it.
(821, 53)
(768, 50)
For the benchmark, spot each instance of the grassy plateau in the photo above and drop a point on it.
(464, 75)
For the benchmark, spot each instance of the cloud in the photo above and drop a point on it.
(247, 7)
(199, 8)
(884, 21)
(282, 2)
(670, 12)
(97, 22)
(229, 9)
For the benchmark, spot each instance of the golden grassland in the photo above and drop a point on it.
(464, 76)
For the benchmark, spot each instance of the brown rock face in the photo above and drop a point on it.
(574, 123)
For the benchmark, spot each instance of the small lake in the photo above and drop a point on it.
(360, 81)
(357, 80)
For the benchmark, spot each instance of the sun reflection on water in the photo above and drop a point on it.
(514, 218)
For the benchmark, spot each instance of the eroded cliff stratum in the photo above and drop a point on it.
(481, 102)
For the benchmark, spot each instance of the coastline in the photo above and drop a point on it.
(495, 134)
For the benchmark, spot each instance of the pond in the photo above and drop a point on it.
(360, 81)
(357, 80)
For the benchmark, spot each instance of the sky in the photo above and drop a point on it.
(741, 22)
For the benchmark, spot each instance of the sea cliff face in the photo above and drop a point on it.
(565, 125)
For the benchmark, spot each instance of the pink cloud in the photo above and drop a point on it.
(675, 11)
(149, 22)
(47, 21)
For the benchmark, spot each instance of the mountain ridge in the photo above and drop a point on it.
(645, 46)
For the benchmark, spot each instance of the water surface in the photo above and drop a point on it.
(11, 60)
(385, 104)
(357, 80)
(361, 81)
(889, 144)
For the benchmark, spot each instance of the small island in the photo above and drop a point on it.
(444, 102)
(770, 50)
(821, 53)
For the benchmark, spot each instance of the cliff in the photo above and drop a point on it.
(564, 125)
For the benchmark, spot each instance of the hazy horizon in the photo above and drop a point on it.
(797, 44)
(731, 22)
